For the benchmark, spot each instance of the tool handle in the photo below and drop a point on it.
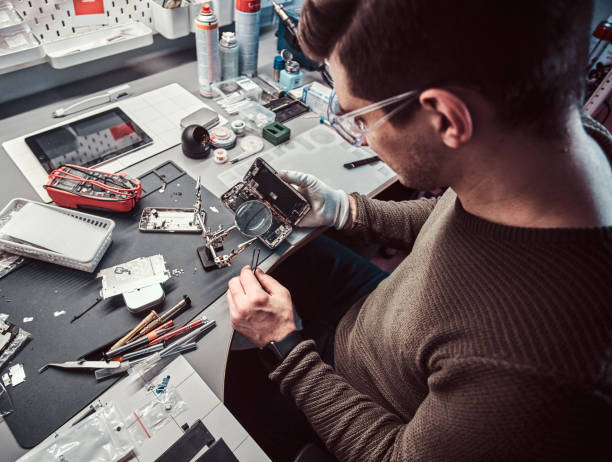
(180, 330)
(359, 163)
(131, 334)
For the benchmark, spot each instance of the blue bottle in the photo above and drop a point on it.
(291, 76)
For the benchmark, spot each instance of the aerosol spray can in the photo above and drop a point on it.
(228, 50)
(207, 49)
(246, 16)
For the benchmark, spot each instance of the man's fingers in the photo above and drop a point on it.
(271, 285)
(235, 287)
(249, 282)
(297, 178)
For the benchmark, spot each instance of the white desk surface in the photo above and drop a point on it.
(210, 358)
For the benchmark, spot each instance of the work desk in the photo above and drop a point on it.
(210, 358)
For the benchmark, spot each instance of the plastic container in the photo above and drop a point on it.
(256, 116)
(172, 23)
(8, 15)
(84, 264)
(18, 45)
(98, 44)
(316, 97)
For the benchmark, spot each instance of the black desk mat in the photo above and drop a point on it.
(46, 401)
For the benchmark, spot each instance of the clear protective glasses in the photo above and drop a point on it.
(351, 126)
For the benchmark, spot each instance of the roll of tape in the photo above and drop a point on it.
(252, 144)
(238, 126)
(220, 155)
(222, 137)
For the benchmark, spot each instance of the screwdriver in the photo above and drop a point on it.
(147, 339)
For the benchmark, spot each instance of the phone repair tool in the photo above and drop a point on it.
(138, 353)
(291, 32)
(207, 325)
(82, 365)
(113, 94)
(151, 328)
(81, 187)
(131, 334)
(180, 330)
(142, 341)
(102, 374)
(255, 259)
(185, 302)
(359, 163)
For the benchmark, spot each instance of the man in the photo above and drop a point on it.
(493, 339)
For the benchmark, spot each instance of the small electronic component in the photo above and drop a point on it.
(81, 187)
(276, 133)
(262, 183)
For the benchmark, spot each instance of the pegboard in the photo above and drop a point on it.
(51, 20)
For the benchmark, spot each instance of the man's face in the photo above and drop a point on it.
(413, 149)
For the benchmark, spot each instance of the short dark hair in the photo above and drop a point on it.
(527, 57)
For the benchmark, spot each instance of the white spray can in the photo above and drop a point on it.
(246, 15)
(228, 50)
(207, 49)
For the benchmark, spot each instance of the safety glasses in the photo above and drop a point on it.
(351, 126)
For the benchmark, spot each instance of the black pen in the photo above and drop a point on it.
(359, 163)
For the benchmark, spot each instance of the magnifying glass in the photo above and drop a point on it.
(253, 218)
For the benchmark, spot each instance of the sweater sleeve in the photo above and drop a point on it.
(475, 410)
(395, 224)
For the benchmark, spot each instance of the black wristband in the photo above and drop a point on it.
(275, 352)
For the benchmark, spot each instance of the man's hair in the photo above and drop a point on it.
(527, 57)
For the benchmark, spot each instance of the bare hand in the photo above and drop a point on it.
(260, 307)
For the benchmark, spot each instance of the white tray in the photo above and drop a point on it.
(93, 222)
(98, 44)
(21, 56)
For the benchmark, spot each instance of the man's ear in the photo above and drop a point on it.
(453, 119)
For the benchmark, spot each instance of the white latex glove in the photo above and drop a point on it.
(328, 206)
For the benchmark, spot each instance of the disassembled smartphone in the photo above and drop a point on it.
(262, 183)
(174, 220)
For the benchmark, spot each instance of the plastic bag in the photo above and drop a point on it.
(12, 339)
(101, 437)
(6, 405)
(155, 415)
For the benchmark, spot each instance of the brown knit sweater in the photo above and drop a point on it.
(488, 342)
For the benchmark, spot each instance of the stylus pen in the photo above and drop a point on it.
(359, 163)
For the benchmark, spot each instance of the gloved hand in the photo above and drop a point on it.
(328, 206)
